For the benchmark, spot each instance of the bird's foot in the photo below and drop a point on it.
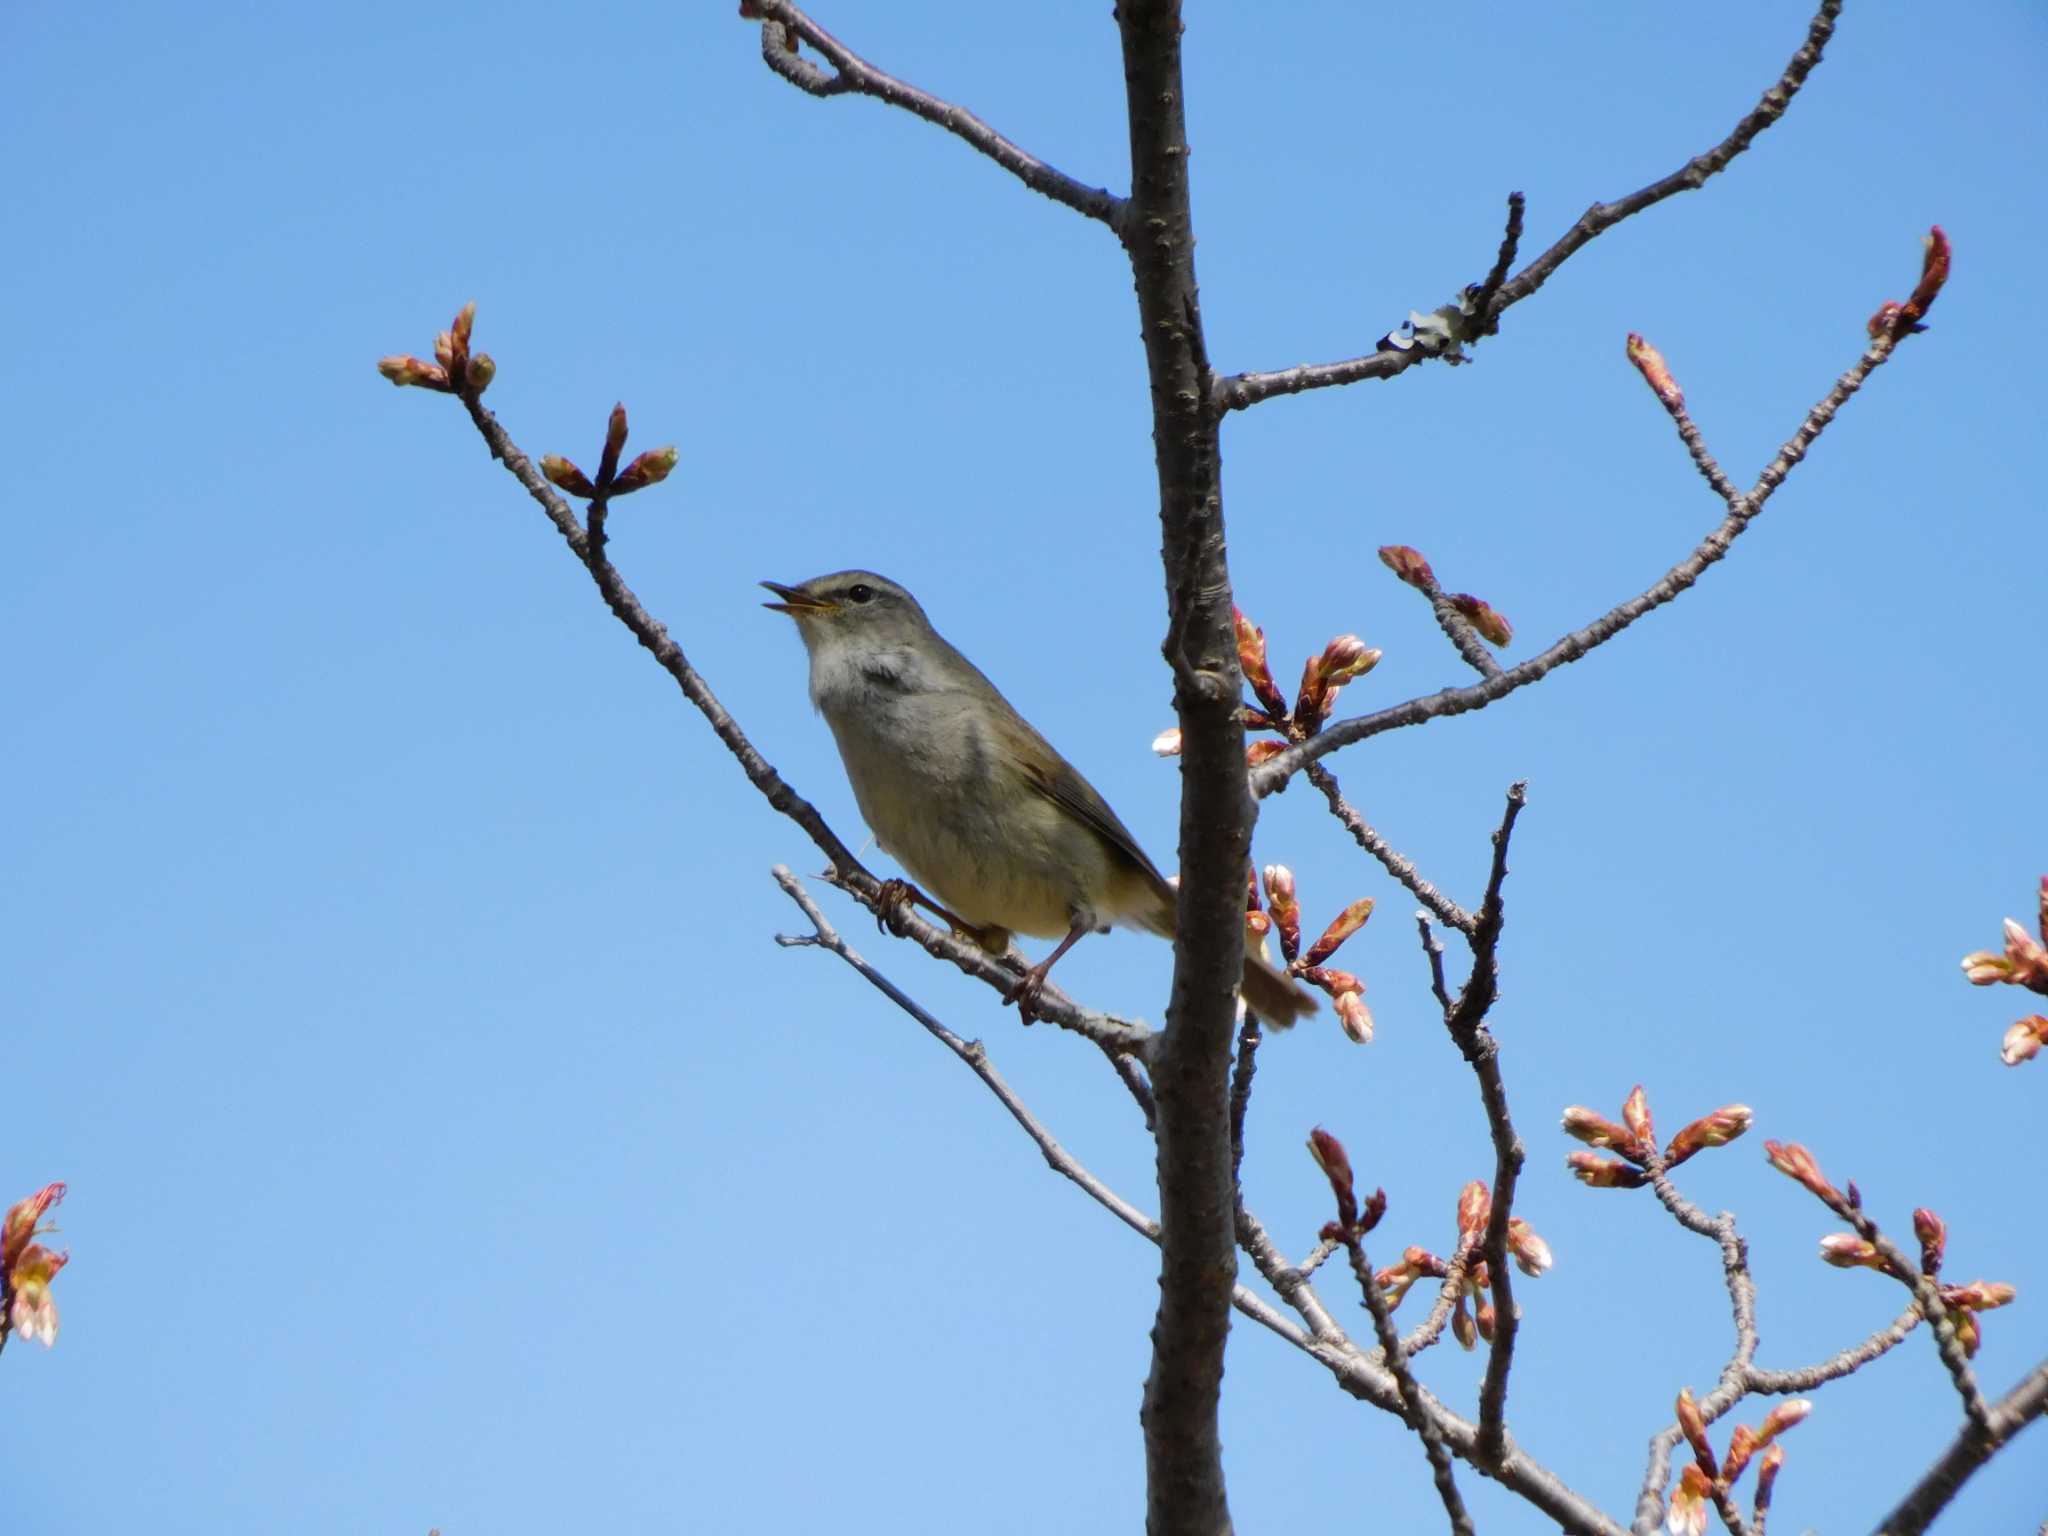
(1025, 992)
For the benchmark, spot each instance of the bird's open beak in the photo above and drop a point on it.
(795, 601)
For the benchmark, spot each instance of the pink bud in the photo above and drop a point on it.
(1531, 1253)
(1597, 1172)
(1595, 1130)
(1845, 1250)
(1783, 1417)
(1933, 1234)
(1490, 622)
(1345, 924)
(404, 371)
(1251, 657)
(1167, 742)
(1714, 1130)
(1330, 1156)
(1650, 364)
(1355, 1017)
(1280, 900)
(1475, 1204)
(1409, 565)
(1635, 1114)
(2023, 1041)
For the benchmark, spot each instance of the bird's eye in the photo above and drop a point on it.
(860, 592)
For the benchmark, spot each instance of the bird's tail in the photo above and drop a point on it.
(1268, 991)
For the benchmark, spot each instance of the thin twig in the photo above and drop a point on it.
(1274, 774)
(1733, 1385)
(972, 1052)
(848, 873)
(1806, 1378)
(1431, 1328)
(855, 74)
(1485, 317)
(1402, 869)
(1433, 947)
(1411, 1392)
(1466, 1021)
(1244, 389)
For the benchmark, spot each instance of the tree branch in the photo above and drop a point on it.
(1245, 389)
(1418, 1417)
(1402, 869)
(1970, 1450)
(1274, 774)
(1191, 1066)
(855, 74)
(847, 872)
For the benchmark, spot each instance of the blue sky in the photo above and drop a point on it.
(388, 949)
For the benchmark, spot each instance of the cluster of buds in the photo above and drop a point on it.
(1353, 1221)
(1848, 1250)
(1283, 918)
(27, 1267)
(1344, 660)
(1409, 565)
(650, 468)
(1635, 1139)
(2024, 964)
(455, 369)
(1894, 319)
(1709, 1477)
(1530, 1253)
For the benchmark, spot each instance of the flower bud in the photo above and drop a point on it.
(1650, 364)
(1263, 752)
(1491, 624)
(1933, 1234)
(1845, 1250)
(1345, 924)
(650, 468)
(566, 475)
(1330, 1156)
(482, 369)
(2023, 1041)
(404, 371)
(1795, 1162)
(1978, 1295)
(1783, 1417)
(1409, 565)
(1597, 1172)
(1742, 1445)
(1714, 1130)
(1595, 1130)
(1167, 742)
(1354, 1016)
(1251, 657)
(1280, 901)
(1475, 1204)
(1688, 1513)
(1461, 1326)
(1531, 1253)
(1693, 1426)
(1635, 1114)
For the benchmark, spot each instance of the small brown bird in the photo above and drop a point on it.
(971, 801)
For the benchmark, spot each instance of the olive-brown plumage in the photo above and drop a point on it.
(960, 790)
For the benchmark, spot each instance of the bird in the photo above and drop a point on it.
(969, 799)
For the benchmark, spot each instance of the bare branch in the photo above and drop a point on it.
(1417, 1415)
(1062, 1162)
(1244, 389)
(1272, 775)
(1400, 868)
(1433, 947)
(847, 872)
(855, 74)
(1806, 1378)
(1969, 1451)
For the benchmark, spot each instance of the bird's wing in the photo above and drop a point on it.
(1062, 784)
